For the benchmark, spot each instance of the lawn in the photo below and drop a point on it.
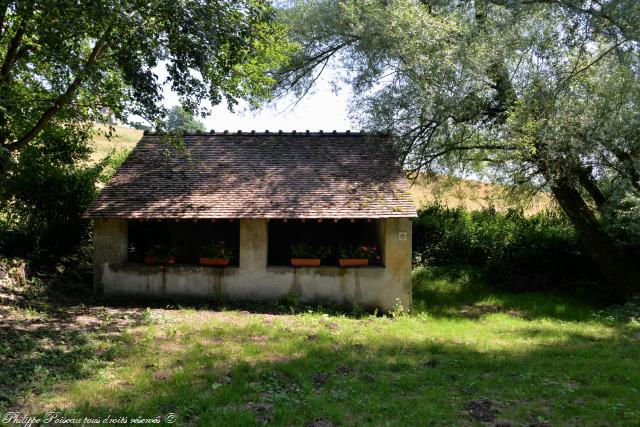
(466, 355)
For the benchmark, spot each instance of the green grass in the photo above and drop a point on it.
(122, 141)
(464, 354)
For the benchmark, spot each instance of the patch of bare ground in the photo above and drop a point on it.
(319, 422)
(481, 410)
(320, 379)
(276, 358)
(262, 410)
(345, 370)
(162, 375)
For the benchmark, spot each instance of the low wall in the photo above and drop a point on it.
(254, 280)
(368, 286)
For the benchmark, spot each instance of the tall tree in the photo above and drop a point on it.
(180, 120)
(542, 94)
(63, 61)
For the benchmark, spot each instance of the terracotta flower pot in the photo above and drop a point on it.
(216, 262)
(305, 262)
(353, 262)
(152, 260)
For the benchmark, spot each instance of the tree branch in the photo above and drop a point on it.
(12, 51)
(63, 99)
(575, 72)
(3, 14)
(588, 183)
(307, 65)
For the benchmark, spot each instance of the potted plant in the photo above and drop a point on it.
(160, 255)
(305, 255)
(216, 254)
(357, 255)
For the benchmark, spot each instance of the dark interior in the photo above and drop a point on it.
(186, 237)
(326, 233)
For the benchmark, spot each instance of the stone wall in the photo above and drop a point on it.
(253, 280)
(110, 248)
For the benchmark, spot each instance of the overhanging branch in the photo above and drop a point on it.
(63, 99)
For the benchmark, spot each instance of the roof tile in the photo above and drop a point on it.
(258, 175)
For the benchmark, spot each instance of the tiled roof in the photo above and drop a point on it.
(258, 175)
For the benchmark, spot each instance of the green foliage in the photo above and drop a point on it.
(361, 251)
(622, 220)
(112, 162)
(81, 61)
(217, 250)
(290, 301)
(523, 253)
(504, 88)
(305, 250)
(68, 64)
(535, 94)
(47, 188)
(180, 120)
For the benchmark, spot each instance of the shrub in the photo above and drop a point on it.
(217, 250)
(46, 190)
(540, 252)
(622, 220)
(369, 252)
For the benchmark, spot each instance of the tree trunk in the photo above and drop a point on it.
(618, 268)
(5, 160)
(589, 184)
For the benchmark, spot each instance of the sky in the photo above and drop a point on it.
(320, 110)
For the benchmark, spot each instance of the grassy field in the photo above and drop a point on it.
(471, 194)
(122, 139)
(464, 356)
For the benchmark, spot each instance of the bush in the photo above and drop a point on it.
(622, 220)
(47, 188)
(540, 252)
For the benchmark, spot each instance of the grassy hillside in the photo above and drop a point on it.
(471, 194)
(123, 139)
(427, 189)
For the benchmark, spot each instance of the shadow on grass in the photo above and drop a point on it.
(243, 375)
(52, 342)
(58, 342)
(464, 292)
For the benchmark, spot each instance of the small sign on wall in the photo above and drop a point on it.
(402, 235)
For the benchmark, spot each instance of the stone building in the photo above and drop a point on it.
(259, 193)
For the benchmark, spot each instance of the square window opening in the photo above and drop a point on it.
(186, 240)
(328, 234)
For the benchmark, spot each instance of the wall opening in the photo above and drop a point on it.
(328, 233)
(186, 238)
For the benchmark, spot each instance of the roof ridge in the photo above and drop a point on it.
(272, 133)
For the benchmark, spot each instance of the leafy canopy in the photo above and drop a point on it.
(67, 64)
(73, 62)
(542, 94)
(180, 120)
(474, 84)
